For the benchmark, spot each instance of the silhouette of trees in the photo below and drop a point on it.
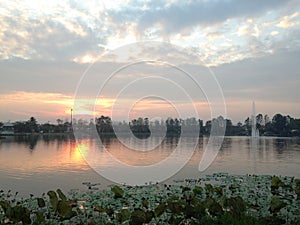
(279, 125)
(104, 125)
(140, 126)
(29, 126)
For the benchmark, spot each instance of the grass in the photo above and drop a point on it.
(216, 199)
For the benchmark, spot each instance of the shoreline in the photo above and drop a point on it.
(138, 135)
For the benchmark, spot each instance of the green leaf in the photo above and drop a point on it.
(218, 190)
(123, 215)
(53, 200)
(145, 203)
(185, 189)
(175, 207)
(40, 217)
(119, 192)
(149, 215)
(297, 181)
(20, 213)
(209, 188)
(41, 202)
(214, 208)
(198, 190)
(276, 182)
(276, 204)
(64, 209)
(236, 205)
(6, 207)
(175, 221)
(160, 209)
(138, 217)
(110, 212)
(189, 211)
(99, 209)
(199, 210)
(61, 195)
(298, 194)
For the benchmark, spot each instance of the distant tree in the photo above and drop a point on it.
(140, 127)
(238, 130)
(281, 125)
(20, 127)
(207, 127)
(59, 121)
(32, 125)
(156, 123)
(266, 119)
(104, 124)
(229, 127)
(295, 124)
(200, 124)
(248, 125)
(47, 128)
(259, 120)
(295, 127)
(260, 124)
(91, 124)
(146, 121)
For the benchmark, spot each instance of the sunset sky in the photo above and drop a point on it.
(252, 47)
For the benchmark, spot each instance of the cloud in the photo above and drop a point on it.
(214, 35)
(180, 16)
(56, 32)
(45, 46)
(274, 32)
(80, 32)
(289, 21)
(243, 30)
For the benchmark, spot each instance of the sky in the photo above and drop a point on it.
(94, 56)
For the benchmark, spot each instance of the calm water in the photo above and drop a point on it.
(37, 164)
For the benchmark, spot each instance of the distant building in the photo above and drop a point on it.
(7, 129)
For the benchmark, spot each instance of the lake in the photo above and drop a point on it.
(36, 164)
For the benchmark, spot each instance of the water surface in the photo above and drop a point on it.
(35, 164)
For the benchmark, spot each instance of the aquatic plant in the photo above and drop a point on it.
(215, 199)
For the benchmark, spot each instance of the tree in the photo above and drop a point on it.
(104, 124)
(59, 121)
(32, 125)
(200, 123)
(281, 125)
(260, 123)
(248, 125)
(20, 127)
(266, 119)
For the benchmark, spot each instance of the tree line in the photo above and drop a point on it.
(279, 125)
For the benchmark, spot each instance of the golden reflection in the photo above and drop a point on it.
(79, 152)
(54, 155)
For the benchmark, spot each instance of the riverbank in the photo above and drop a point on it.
(216, 199)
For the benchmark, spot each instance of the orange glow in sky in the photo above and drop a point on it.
(56, 105)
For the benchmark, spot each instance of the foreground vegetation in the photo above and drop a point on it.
(216, 199)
